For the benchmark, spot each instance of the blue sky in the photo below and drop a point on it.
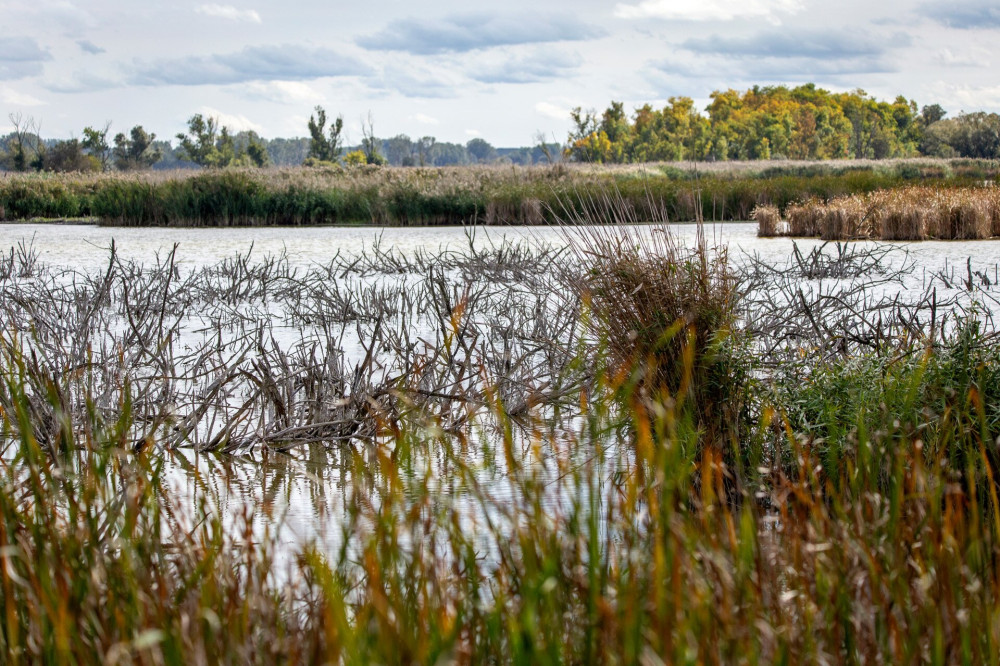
(454, 70)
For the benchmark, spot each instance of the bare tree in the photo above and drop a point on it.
(369, 144)
(27, 149)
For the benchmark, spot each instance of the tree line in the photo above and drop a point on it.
(775, 122)
(209, 143)
(778, 122)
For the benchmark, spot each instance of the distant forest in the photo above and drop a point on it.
(803, 123)
(761, 123)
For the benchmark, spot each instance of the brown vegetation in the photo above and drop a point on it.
(912, 213)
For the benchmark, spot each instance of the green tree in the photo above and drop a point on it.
(481, 150)
(325, 144)
(67, 156)
(95, 143)
(254, 151)
(977, 135)
(135, 152)
(199, 144)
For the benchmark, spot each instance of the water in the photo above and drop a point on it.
(85, 247)
(307, 490)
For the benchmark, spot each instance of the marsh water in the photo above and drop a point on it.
(301, 494)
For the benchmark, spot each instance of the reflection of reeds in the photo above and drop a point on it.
(912, 213)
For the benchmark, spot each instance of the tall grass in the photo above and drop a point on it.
(911, 213)
(864, 529)
(492, 195)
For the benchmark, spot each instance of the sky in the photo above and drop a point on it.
(455, 70)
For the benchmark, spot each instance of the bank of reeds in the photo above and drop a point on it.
(453, 195)
(911, 213)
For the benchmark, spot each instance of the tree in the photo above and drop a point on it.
(370, 144)
(199, 144)
(135, 152)
(95, 143)
(481, 151)
(931, 114)
(550, 152)
(399, 150)
(255, 151)
(425, 148)
(26, 147)
(321, 146)
(356, 158)
(977, 135)
(66, 156)
(207, 143)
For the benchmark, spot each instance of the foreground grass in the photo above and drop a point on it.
(457, 195)
(868, 544)
(681, 505)
(869, 530)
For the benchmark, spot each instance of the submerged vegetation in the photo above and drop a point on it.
(369, 194)
(627, 450)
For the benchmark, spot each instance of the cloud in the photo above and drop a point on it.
(964, 15)
(470, 32)
(21, 57)
(82, 82)
(15, 98)
(235, 122)
(56, 16)
(415, 80)
(708, 10)
(286, 62)
(978, 57)
(527, 68)
(814, 44)
(285, 92)
(773, 55)
(424, 119)
(229, 12)
(966, 97)
(550, 110)
(89, 47)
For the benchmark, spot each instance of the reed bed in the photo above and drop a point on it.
(624, 451)
(447, 196)
(768, 219)
(912, 213)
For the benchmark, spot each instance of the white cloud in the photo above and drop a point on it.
(235, 122)
(967, 98)
(974, 58)
(424, 119)
(15, 98)
(550, 110)
(287, 92)
(229, 12)
(473, 133)
(708, 10)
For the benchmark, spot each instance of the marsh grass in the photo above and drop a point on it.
(599, 525)
(452, 195)
(910, 213)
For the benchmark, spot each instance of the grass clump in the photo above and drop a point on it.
(911, 213)
(666, 316)
(768, 220)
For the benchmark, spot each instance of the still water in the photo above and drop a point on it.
(302, 496)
